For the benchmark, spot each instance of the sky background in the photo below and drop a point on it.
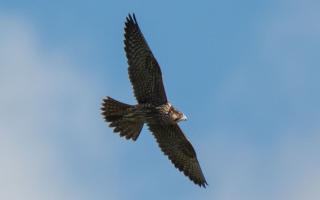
(246, 73)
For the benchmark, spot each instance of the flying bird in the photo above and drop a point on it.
(153, 108)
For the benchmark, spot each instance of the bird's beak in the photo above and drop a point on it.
(183, 118)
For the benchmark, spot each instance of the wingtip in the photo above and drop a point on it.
(203, 184)
(131, 18)
(134, 17)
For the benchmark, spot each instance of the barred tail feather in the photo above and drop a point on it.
(117, 114)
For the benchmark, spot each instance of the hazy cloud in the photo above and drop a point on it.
(48, 115)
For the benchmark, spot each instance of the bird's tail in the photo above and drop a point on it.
(120, 117)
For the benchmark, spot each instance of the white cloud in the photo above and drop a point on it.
(298, 162)
(44, 102)
(238, 169)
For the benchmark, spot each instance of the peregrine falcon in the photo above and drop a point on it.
(153, 108)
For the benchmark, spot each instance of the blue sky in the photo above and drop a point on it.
(246, 73)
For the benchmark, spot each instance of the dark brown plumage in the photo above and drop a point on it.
(144, 70)
(153, 107)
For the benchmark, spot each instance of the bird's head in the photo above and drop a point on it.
(176, 115)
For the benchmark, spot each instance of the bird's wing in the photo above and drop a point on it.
(176, 146)
(144, 70)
